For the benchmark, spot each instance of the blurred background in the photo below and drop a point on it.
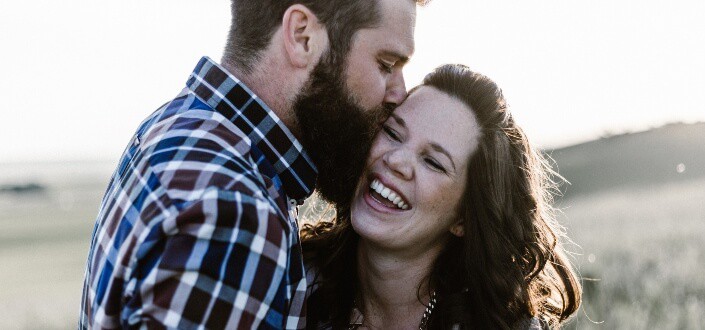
(612, 90)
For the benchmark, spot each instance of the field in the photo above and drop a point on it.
(44, 242)
(641, 256)
(640, 250)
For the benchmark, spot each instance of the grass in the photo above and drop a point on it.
(44, 245)
(641, 256)
(641, 253)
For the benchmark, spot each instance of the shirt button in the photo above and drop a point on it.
(293, 209)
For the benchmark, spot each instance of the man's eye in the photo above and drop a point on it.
(386, 67)
(435, 165)
(391, 133)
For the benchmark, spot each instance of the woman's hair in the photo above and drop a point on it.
(509, 265)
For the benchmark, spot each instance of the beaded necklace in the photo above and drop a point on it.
(424, 319)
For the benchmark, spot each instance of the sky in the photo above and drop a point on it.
(79, 76)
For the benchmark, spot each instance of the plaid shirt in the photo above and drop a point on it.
(195, 228)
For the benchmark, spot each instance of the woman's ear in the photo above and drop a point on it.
(458, 229)
(304, 37)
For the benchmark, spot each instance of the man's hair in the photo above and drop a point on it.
(254, 22)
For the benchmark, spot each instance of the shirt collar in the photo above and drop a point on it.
(232, 99)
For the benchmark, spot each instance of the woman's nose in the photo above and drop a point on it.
(399, 162)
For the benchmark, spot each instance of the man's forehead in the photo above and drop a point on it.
(385, 42)
(394, 35)
(396, 45)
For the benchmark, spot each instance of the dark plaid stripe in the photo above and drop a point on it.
(194, 229)
(238, 104)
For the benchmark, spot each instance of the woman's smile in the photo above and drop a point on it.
(387, 196)
(382, 192)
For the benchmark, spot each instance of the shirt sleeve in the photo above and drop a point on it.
(223, 261)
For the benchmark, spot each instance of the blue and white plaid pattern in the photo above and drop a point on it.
(194, 230)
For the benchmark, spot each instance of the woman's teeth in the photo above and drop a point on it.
(387, 193)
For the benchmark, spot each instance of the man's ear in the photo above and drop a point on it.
(304, 37)
(458, 229)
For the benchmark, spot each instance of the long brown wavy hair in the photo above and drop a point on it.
(508, 267)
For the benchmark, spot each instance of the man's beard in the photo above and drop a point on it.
(335, 131)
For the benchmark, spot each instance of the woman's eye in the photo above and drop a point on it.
(435, 165)
(391, 133)
(385, 67)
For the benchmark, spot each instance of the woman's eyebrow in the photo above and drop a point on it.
(437, 147)
(398, 119)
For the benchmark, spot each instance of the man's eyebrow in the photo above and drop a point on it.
(401, 58)
(438, 148)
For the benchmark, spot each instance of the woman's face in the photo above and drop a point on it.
(408, 196)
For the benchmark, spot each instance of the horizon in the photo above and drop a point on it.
(111, 159)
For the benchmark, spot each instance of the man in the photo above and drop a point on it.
(195, 228)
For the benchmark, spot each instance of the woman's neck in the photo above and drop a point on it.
(390, 287)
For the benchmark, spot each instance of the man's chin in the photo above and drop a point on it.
(341, 164)
(337, 187)
(336, 132)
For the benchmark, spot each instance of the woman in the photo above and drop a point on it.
(451, 224)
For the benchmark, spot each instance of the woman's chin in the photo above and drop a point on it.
(375, 231)
(365, 224)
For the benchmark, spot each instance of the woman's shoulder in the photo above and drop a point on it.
(533, 323)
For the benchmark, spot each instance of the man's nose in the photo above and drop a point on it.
(396, 89)
(399, 162)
